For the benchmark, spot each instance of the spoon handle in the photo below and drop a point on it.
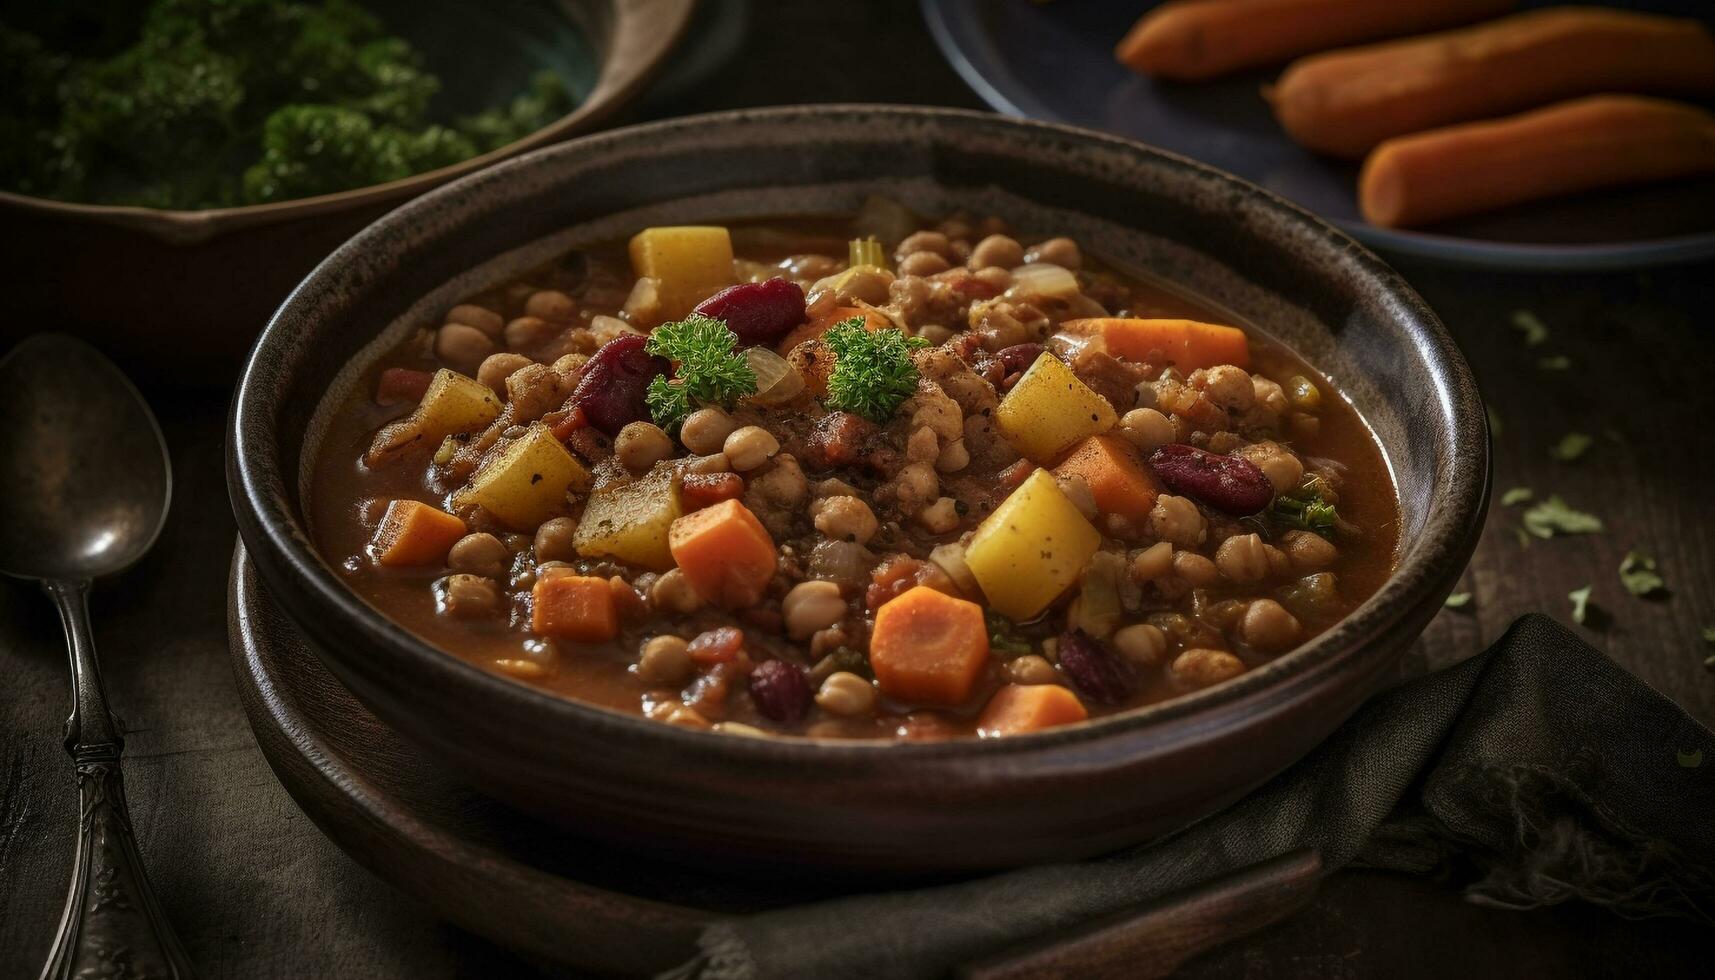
(112, 925)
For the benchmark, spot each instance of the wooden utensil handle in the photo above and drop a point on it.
(112, 926)
(1152, 940)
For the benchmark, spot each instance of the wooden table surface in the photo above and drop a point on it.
(258, 892)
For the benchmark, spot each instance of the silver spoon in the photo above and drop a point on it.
(87, 484)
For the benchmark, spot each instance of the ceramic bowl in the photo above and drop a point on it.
(953, 805)
(178, 296)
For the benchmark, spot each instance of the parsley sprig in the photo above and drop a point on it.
(1304, 508)
(708, 371)
(873, 372)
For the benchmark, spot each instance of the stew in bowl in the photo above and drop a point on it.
(872, 476)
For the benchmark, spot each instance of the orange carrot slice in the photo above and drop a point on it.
(928, 647)
(573, 607)
(413, 533)
(1019, 708)
(725, 553)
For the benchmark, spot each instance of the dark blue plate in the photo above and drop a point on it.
(1054, 61)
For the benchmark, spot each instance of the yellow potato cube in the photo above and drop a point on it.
(690, 263)
(1049, 411)
(527, 483)
(630, 523)
(455, 404)
(1031, 548)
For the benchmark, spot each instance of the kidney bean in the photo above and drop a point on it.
(1231, 484)
(1019, 357)
(1095, 671)
(758, 312)
(780, 691)
(399, 385)
(611, 391)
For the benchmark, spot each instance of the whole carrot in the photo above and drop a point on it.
(1345, 102)
(1190, 40)
(1599, 141)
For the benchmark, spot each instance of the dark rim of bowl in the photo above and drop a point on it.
(261, 496)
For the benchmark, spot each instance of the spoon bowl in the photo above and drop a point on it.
(83, 463)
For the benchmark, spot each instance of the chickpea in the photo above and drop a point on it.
(996, 278)
(482, 318)
(845, 519)
(997, 250)
(1062, 252)
(672, 592)
(1279, 565)
(922, 445)
(858, 285)
(1229, 387)
(916, 483)
(715, 463)
(1153, 562)
(641, 445)
(1142, 644)
(940, 413)
(466, 596)
(529, 331)
(953, 457)
(1308, 550)
(479, 554)
(1277, 463)
(1201, 667)
(524, 670)
(1268, 627)
(935, 334)
(832, 487)
(567, 365)
(1147, 429)
(1270, 396)
(551, 304)
(924, 241)
(1242, 559)
(923, 264)
(554, 540)
(462, 347)
(1178, 520)
(1032, 669)
(540, 650)
(1194, 569)
(605, 328)
(665, 660)
(845, 693)
(704, 431)
(940, 517)
(1077, 490)
(749, 447)
(782, 483)
(811, 606)
(496, 368)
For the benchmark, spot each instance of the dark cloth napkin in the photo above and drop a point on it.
(1535, 773)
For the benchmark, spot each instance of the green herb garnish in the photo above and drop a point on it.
(1580, 604)
(1517, 495)
(707, 370)
(1004, 636)
(1534, 330)
(1553, 516)
(1638, 574)
(1304, 508)
(1457, 600)
(873, 372)
(1554, 362)
(1571, 446)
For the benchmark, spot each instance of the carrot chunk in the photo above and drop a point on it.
(574, 607)
(1019, 708)
(1115, 473)
(1188, 344)
(1600, 141)
(725, 553)
(413, 533)
(928, 647)
(822, 324)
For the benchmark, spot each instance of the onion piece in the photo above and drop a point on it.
(777, 381)
(1041, 279)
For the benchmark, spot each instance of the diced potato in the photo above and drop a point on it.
(1049, 410)
(631, 523)
(689, 263)
(454, 404)
(1031, 548)
(527, 483)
